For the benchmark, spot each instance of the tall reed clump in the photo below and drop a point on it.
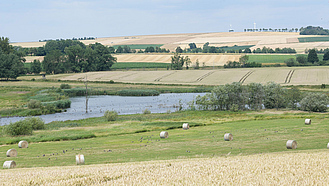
(24, 127)
(110, 115)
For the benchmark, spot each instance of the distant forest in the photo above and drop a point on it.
(310, 30)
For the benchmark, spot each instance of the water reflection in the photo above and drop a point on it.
(97, 105)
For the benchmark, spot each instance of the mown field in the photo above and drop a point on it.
(129, 150)
(136, 137)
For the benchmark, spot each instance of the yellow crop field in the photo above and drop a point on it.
(172, 41)
(284, 76)
(204, 59)
(298, 168)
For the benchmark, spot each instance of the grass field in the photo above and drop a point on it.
(313, 39)
(270, 58)
(237, 47)
(140, 46)
(129, 151)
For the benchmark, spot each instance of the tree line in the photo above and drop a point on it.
(255, 96)
(311, 59)
(212, 49)
(80, 38)
(271, 30)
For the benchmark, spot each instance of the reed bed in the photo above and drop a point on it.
(302, 168)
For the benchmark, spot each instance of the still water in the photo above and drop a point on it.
(97, 105)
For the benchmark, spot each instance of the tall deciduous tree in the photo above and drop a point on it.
(312, 56)
(35, 66)
(11, 66)
(5, 46)
(179, 50)
(326, 56)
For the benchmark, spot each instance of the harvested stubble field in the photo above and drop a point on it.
(172, 41)
(204, 59)
(301, 168)
(284, 76)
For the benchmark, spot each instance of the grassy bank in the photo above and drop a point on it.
(136, 137)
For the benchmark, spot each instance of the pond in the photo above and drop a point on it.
(97, 105)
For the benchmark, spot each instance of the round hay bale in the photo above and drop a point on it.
(228, 137)
(23, 144)
(186, 126)
(9, 164)
(80, 159)
(328, 146)
(291, 144)
(307, 121)
(11, 153)
(164, 134)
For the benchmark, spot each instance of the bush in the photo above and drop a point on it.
(146, 111)
(315, 102)
(65, 86)
(110, 115)
(33, 104)
(36, 122)
(19, 128)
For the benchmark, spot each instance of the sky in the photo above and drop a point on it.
(34, 20)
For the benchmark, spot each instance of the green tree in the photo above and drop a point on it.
(102, 58)
(35, 67)
(290, 62)
(243, 59)
(11, 66)
(301, 59)
(177, 61)
(326, 56)
(75, 57)
(126, 49)
(179, 50)
(53, 63)
(5, 46)
(119, 50)
(187, 62)
(274, 96)
(312, 56)
(149, 49)
(256, 96)
(192, 45)
(315, 102)
(293, 97)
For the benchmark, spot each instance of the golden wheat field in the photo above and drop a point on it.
(283, 76)
(172, 41)
(204, 59)
(289, 168)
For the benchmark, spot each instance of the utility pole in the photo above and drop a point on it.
(86, 84)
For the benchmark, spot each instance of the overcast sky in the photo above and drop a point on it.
(33, 20)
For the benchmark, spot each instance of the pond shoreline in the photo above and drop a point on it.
(97, 105)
